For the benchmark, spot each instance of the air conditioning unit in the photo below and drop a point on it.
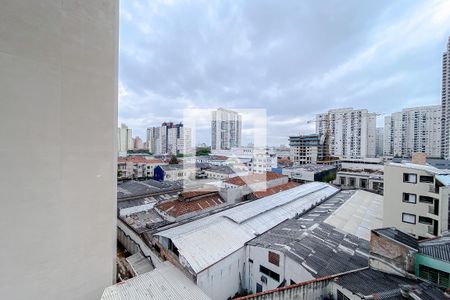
(263, 279)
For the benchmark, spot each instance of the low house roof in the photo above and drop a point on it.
(253, 178)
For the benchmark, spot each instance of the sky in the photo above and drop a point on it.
(291, 59)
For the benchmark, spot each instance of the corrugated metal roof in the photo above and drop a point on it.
(165, 282)
(444, 179)
(359, 215)
(438, 248)
(208, 240)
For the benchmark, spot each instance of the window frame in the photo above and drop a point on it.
(408, 214)
(407, 175)
(407, 201)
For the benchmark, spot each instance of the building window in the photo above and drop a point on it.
(274, 258)
(341, 296)
(433, 275)
(426, 179)
(275, 276)
(410, 178)
(408, 218)
(426, 199)
(409, 198)
(425, 220)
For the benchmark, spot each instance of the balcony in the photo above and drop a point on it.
(433, 189)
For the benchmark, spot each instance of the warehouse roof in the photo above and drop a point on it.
(369, 282)
(165, 282)
(134, 188)
(320, 248)
(179, 207)
(361, 213)
(208, 240)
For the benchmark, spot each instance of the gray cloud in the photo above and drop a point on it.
(293, 58)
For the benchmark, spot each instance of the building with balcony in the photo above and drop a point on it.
(226, 129)
(416, 198)
(351, 133)
(413, 130)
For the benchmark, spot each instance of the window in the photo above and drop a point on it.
(426, 199)
(425, 220)
(258, 288)
(433, 275)
(341, 296)
(427, 179)
(274, 258)
(275, 276)
(409, 198)
(408, 218)
(410, 178)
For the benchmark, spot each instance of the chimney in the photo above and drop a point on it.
(419, 158)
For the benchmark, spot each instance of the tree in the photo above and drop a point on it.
(173, 160)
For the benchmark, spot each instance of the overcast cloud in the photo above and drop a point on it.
(292, 58)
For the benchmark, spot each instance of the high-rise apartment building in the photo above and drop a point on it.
(153, 139)
(379, 142)
(445, 94)
(226, 129)
(58, 78)
(125, 139)
(350, 132)
(170, 138)
(307, 149)
(413, 130)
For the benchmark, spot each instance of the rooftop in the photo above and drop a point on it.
(165, 282)
(359, 215)
(386, 286)
(320, 248)
(134, 188)
(178, 208)
(438, 248)
(253, 178)
(172, 167)
(208, 240)
(311, 168)
(275, 189)
(221, 169)
(139, 160)
(399, 236)
(365, 283)
(427, 168)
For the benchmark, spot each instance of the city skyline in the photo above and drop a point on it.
(388, 58)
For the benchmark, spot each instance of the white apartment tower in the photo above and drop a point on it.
(226, 129)
(413, 130)
(169, 138)
(351, 132)
(445, 145)
(125, 139)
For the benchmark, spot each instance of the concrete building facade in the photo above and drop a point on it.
(226, 129)
(307, 149)
(413, 130)
(58, 78)
(351, 132)
(416, 199)
(125, 139)
(445, 103)
(169, 138)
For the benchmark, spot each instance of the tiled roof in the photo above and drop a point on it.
(438, 248)
(398, 236)
(138, 160)
(253, 178)
(275, 189)
(178, 208)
